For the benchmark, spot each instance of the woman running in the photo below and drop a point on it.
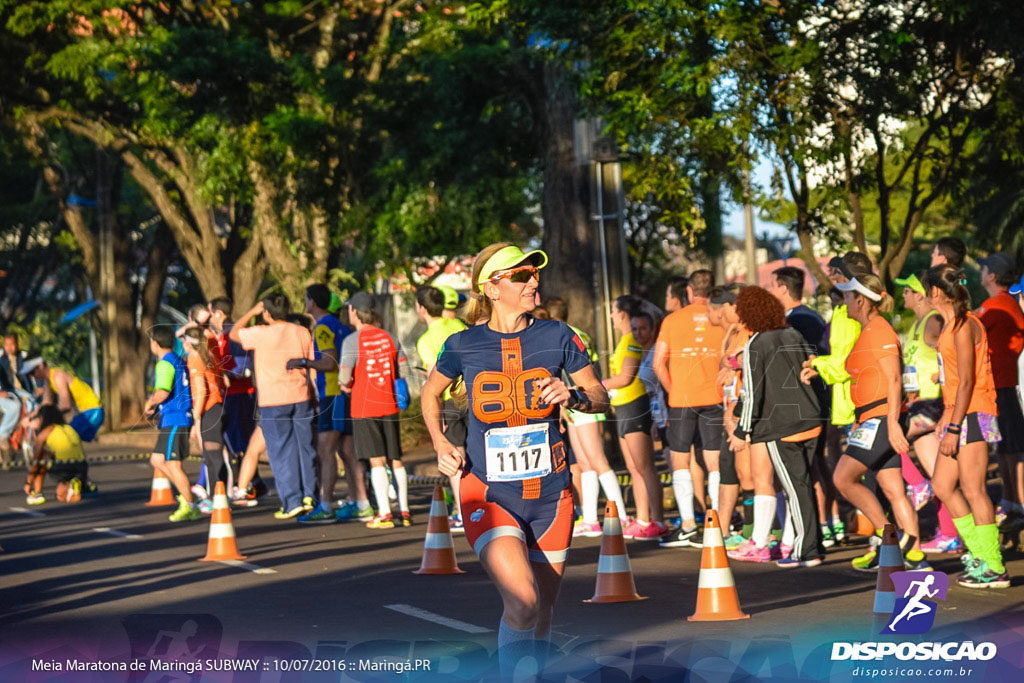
(207, 384)
(967, 426)
(587, 441)
(632, 409)
(516, 488)
(874, 369)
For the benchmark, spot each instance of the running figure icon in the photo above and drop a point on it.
(915, 607)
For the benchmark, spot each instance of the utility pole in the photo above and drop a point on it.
(750, 241)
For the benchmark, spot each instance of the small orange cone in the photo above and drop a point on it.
(614, 576)
(438, 548)
(890, 560)
(864, 525)
(716, 589)
(160, 493)
(221, 545)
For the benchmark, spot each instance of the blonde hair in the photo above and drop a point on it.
(479, 306)
(874, 283)
(195, 337)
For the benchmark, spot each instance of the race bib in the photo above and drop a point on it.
(863, 435)
(910, 382)
(515, 453)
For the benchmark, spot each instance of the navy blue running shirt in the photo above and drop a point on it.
(506, 414)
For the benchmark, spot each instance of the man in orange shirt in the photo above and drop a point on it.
(686, 359)
(285, 400)
(1004, 325)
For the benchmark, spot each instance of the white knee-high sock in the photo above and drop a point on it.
(713, 480)
(613, 492)
(379, 479)
(403, 487)
(764, 516)
(513, 645)
(589, 490)
(682, 486)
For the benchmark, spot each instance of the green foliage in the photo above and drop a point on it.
(64, 346)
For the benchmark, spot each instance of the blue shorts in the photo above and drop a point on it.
(88, 423)
(239, 421)
(333, 415)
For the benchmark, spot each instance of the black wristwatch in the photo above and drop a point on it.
(305, 362)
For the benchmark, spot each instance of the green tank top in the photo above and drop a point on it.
(920, 362)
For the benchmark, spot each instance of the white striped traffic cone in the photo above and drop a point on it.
(716, 589)
(160, 493)
(221, 545)
(614, 575)
(438, 548)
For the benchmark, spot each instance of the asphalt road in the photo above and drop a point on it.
(112, 579)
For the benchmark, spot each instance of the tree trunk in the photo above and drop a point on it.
(568, 238)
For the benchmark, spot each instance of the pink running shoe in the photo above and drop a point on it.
(751, 553)
(784, 550)
(944, 544)
(920, 494)
(631, 529)
(587, 529)
(651, 532)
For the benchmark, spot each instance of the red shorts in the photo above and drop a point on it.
(544, 525)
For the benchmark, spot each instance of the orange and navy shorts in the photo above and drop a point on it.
(544, 525)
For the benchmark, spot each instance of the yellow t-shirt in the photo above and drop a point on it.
(626, 348)
(65, 445)
(82, 394)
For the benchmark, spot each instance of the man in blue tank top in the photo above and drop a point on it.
(172, 401)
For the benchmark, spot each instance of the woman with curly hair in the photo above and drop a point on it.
(967, 426)
(781, 422)
(875, 371)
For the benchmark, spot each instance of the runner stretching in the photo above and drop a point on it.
(516, 485)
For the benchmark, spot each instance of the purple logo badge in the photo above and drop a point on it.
(914, 612)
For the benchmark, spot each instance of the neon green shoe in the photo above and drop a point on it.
(185, 512)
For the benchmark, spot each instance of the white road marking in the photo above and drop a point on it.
(437, 618)
(115, 532)
(30, 513)
(254, 568)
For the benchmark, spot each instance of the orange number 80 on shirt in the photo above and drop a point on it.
(497, 397)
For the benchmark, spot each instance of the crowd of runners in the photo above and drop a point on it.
(781, 421)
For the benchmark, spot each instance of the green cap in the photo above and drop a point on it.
(912, 282)
(335, 304)
(509, 257)
(452, 299)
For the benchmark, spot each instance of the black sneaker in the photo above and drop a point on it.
(680, 538)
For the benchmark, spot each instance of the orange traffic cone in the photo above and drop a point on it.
(438, 548)
(614, 576)
(160, 493)
(221, 545)
(716, 589)
(890, 560)
(864, 526)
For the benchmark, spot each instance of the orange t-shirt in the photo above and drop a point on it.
(1004, 327)
(197, 372)
(983, 399)
(694, 351)
(868, 383)
(274, 345)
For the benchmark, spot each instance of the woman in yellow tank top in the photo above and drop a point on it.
(632, 408)
(966, 427)
(58, 451)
